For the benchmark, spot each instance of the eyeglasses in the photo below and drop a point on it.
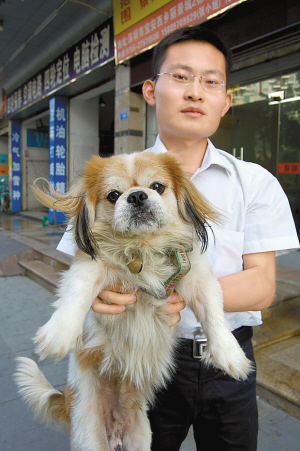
(184, 77)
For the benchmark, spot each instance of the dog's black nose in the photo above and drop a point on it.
(137, 198)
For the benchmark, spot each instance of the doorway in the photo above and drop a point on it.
(263, 127)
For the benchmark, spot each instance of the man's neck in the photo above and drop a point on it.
(189, 154)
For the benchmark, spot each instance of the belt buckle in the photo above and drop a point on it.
(199, 346)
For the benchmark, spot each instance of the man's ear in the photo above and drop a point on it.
(149, 92)
(227, 104)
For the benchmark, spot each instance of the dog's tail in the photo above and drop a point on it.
(48, 404)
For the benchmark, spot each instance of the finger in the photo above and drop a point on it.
(174, 308)
(99, 306)
(111, 297)
(174, 319)
(174, 298)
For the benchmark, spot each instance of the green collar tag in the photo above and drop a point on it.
(183, 267)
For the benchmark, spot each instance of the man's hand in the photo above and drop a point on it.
(114, 301)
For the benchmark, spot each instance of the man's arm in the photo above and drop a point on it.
(254, 287)
(251, 289)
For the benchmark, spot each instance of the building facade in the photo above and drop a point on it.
(105, 110)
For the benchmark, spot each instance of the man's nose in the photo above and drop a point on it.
(195, 89)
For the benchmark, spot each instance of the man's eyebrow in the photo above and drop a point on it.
(181, 66)
(214, 72)
(190, 69)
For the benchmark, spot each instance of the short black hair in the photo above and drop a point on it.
(196, 33)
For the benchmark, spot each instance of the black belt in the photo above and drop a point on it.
(196, 347)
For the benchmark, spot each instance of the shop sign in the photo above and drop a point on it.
(57, 152)
(288, 168)
(130, 12)
(170, 16)
(37, 138)
(94, 50)
(15, 161)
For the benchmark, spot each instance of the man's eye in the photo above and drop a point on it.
(179, 77)
(113, 196)
(159, 187)
(212, 82)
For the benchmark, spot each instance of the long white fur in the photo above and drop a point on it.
(137, 345)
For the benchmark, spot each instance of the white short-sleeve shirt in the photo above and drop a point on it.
(256, 218)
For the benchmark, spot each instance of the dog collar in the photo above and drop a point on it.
(183, 267)
(183, 263)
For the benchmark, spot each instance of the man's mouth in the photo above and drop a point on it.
(197, 112)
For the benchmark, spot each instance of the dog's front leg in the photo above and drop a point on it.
(78, 288)
(202, 292)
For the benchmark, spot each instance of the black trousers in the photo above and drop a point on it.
(223, 411)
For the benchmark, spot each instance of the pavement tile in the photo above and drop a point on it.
(19, 343)
(266, 442)
(15, 418)
(22, 326)
(38, 438)
(8, 390)
(4, 348)
(282, 427)
(7, 365)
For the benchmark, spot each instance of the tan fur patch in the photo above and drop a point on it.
(87, 358)
(60, 405)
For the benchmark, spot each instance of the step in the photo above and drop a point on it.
(54, 258)
(41, 273)
(276, 329)
(278, 374)
(277, 353)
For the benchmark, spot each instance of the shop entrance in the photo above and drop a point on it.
(263, 126)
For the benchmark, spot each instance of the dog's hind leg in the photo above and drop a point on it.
(137, 435)
(88, 427)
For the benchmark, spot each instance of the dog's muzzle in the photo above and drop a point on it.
(137, 198)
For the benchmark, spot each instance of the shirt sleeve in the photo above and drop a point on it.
(67, 244)
(269, 224)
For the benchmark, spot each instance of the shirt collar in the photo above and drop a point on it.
(212, 157)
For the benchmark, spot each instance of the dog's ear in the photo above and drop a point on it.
(83, 234)
(192, 206)
(76, 205)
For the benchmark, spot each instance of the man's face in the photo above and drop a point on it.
(188, 111)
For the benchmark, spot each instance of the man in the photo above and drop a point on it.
(190, 76)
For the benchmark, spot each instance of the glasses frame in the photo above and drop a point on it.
(201, 77)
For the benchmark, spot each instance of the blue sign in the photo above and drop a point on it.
(16, 197)
(57, 152)
(123, 115)
(37, 138)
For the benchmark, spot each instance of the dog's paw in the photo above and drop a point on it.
(56, 338)
(229, 357)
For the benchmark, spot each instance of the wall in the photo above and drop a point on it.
(34, 163)
(83, 134)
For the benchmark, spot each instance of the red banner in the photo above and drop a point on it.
(288, 168)
(176, 14)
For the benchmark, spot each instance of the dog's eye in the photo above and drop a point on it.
(113, 196)
(159, 187)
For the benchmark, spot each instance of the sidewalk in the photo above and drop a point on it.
(25, 306)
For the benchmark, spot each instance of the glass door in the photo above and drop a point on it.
(263, 126)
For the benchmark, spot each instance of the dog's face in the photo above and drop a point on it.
(135, 195)
(130, 195)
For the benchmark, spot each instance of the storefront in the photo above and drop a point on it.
(61, 116)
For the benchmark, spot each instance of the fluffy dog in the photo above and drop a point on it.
(137, 220)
